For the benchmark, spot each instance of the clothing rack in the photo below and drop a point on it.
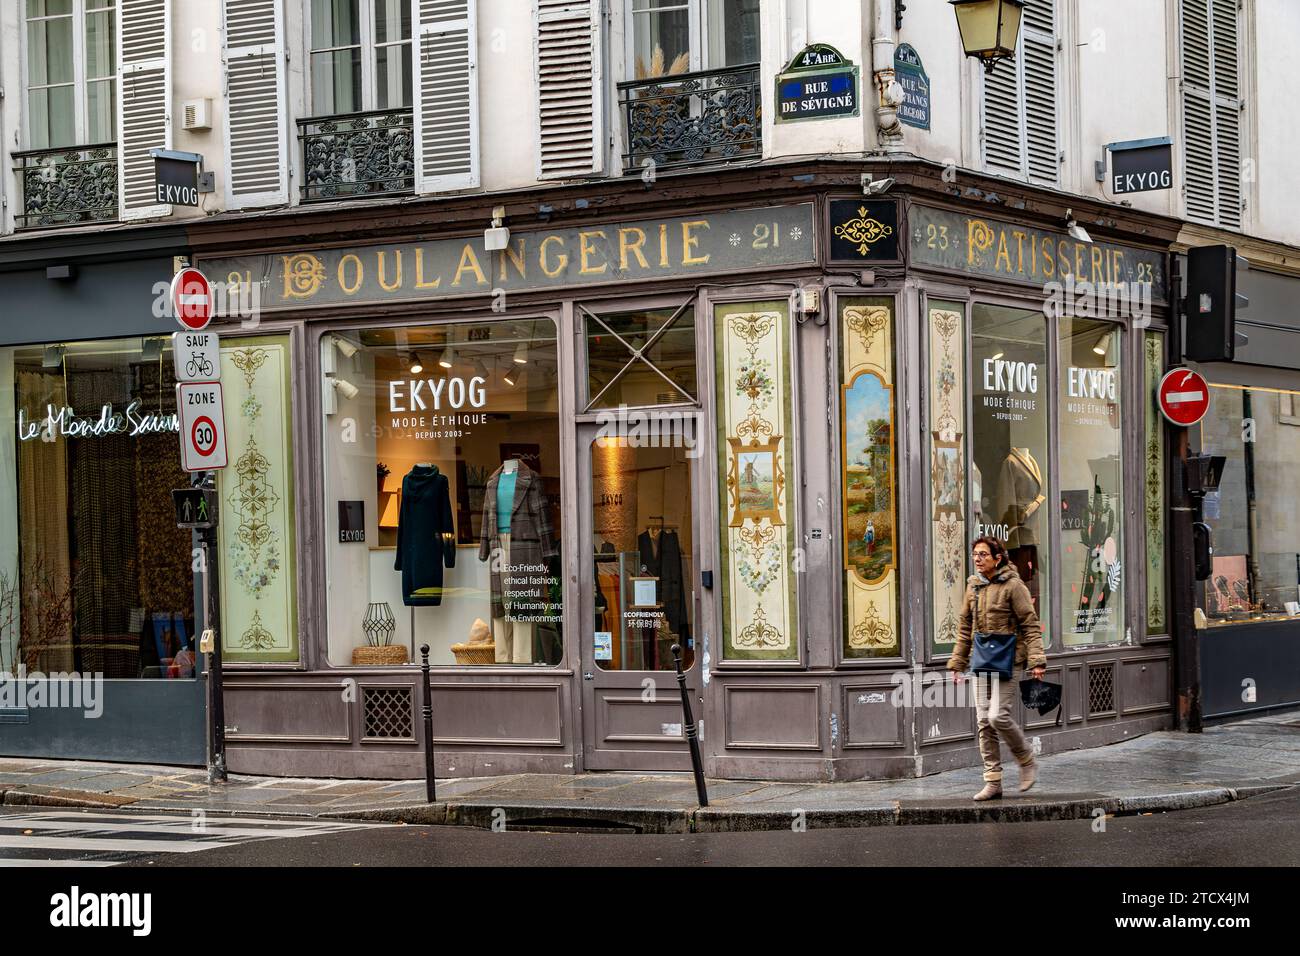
(663, 524)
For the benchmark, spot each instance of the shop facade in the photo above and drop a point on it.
(750, 414)
(1249, 631)
(97, 584)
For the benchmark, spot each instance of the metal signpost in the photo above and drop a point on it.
(196, 356)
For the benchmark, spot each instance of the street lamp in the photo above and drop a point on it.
(989, 28)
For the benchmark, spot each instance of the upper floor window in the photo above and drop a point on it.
(1020, 116)
(1212, 106)
(71, 54)
(680, 36)
(360, 55)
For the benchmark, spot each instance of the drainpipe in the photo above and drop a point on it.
(889, 132)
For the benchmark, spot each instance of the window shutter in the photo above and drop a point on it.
(1020, 112)
(143, 103)
(1211, 112)
(567, 51)
(1003, 130)
(1038, 39)
(1198, 113)
(1227, 112)
(445, 83)
(255, 120)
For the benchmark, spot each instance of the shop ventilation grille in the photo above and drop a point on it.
(388, 713)
(1101, 690)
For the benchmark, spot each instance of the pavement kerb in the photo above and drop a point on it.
(675, 820)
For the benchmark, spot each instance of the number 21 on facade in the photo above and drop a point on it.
(203, 426)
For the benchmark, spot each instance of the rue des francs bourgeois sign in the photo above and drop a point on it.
(1013, 251)
(599, 254)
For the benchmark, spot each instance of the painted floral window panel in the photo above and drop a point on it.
(947, 431)
(868, 480)
(755, 458)
(258, 595)
(1154, 476)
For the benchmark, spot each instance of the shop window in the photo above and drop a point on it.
(95, 576)
(947, 433)
(644, 552)
(1091, 482)
(360, 56)
(1255, 515)
(1009, 485)
(1153, 465)
(71, 50)
(643, 357)
(442, 483)
(868, 478)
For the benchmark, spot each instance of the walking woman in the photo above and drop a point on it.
(997, 602)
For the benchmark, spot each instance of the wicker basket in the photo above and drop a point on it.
(381, 654)
(475, 653)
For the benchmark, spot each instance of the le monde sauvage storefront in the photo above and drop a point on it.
(553, 463)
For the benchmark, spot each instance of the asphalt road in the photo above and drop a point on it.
(1261, 831)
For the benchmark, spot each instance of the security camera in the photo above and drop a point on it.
(875, 187)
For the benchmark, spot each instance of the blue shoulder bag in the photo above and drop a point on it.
(993, 654)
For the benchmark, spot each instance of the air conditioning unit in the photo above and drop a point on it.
(197, 113)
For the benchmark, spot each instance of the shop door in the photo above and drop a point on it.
(640, 536)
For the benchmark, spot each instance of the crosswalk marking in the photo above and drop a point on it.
(76, 838)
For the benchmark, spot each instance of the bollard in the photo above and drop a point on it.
(692, 734)
(428, 727)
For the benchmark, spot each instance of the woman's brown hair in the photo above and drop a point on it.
(996, 548)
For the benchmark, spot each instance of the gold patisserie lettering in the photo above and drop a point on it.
(689, 242)
(469, 263)
(517, 257)
(585, 250)
(1098, 273)
(624, 247)
(1020, 251)
(1003, 254)
(303, 275)
(419, 272)
(544, 256)
(383, 275)
(360, 274)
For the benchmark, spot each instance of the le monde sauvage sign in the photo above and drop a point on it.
(599, 254)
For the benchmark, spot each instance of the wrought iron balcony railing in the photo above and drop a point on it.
(64, 187)
(688, 119)
(357, 154)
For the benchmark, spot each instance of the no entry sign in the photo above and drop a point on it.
(203, 426)
(191, 300)
(1184, 396)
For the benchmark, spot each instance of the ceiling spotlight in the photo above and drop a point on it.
(417, 363)
(151, 349)
(521, 354)
(345, 346)
(53, 356)
(1076, 231)
(448, 357)
(480, 369)
(346, 388)
(996, 357)
(1103, 344)
(512, 376)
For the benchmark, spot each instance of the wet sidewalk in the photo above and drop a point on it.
(1157, 772)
